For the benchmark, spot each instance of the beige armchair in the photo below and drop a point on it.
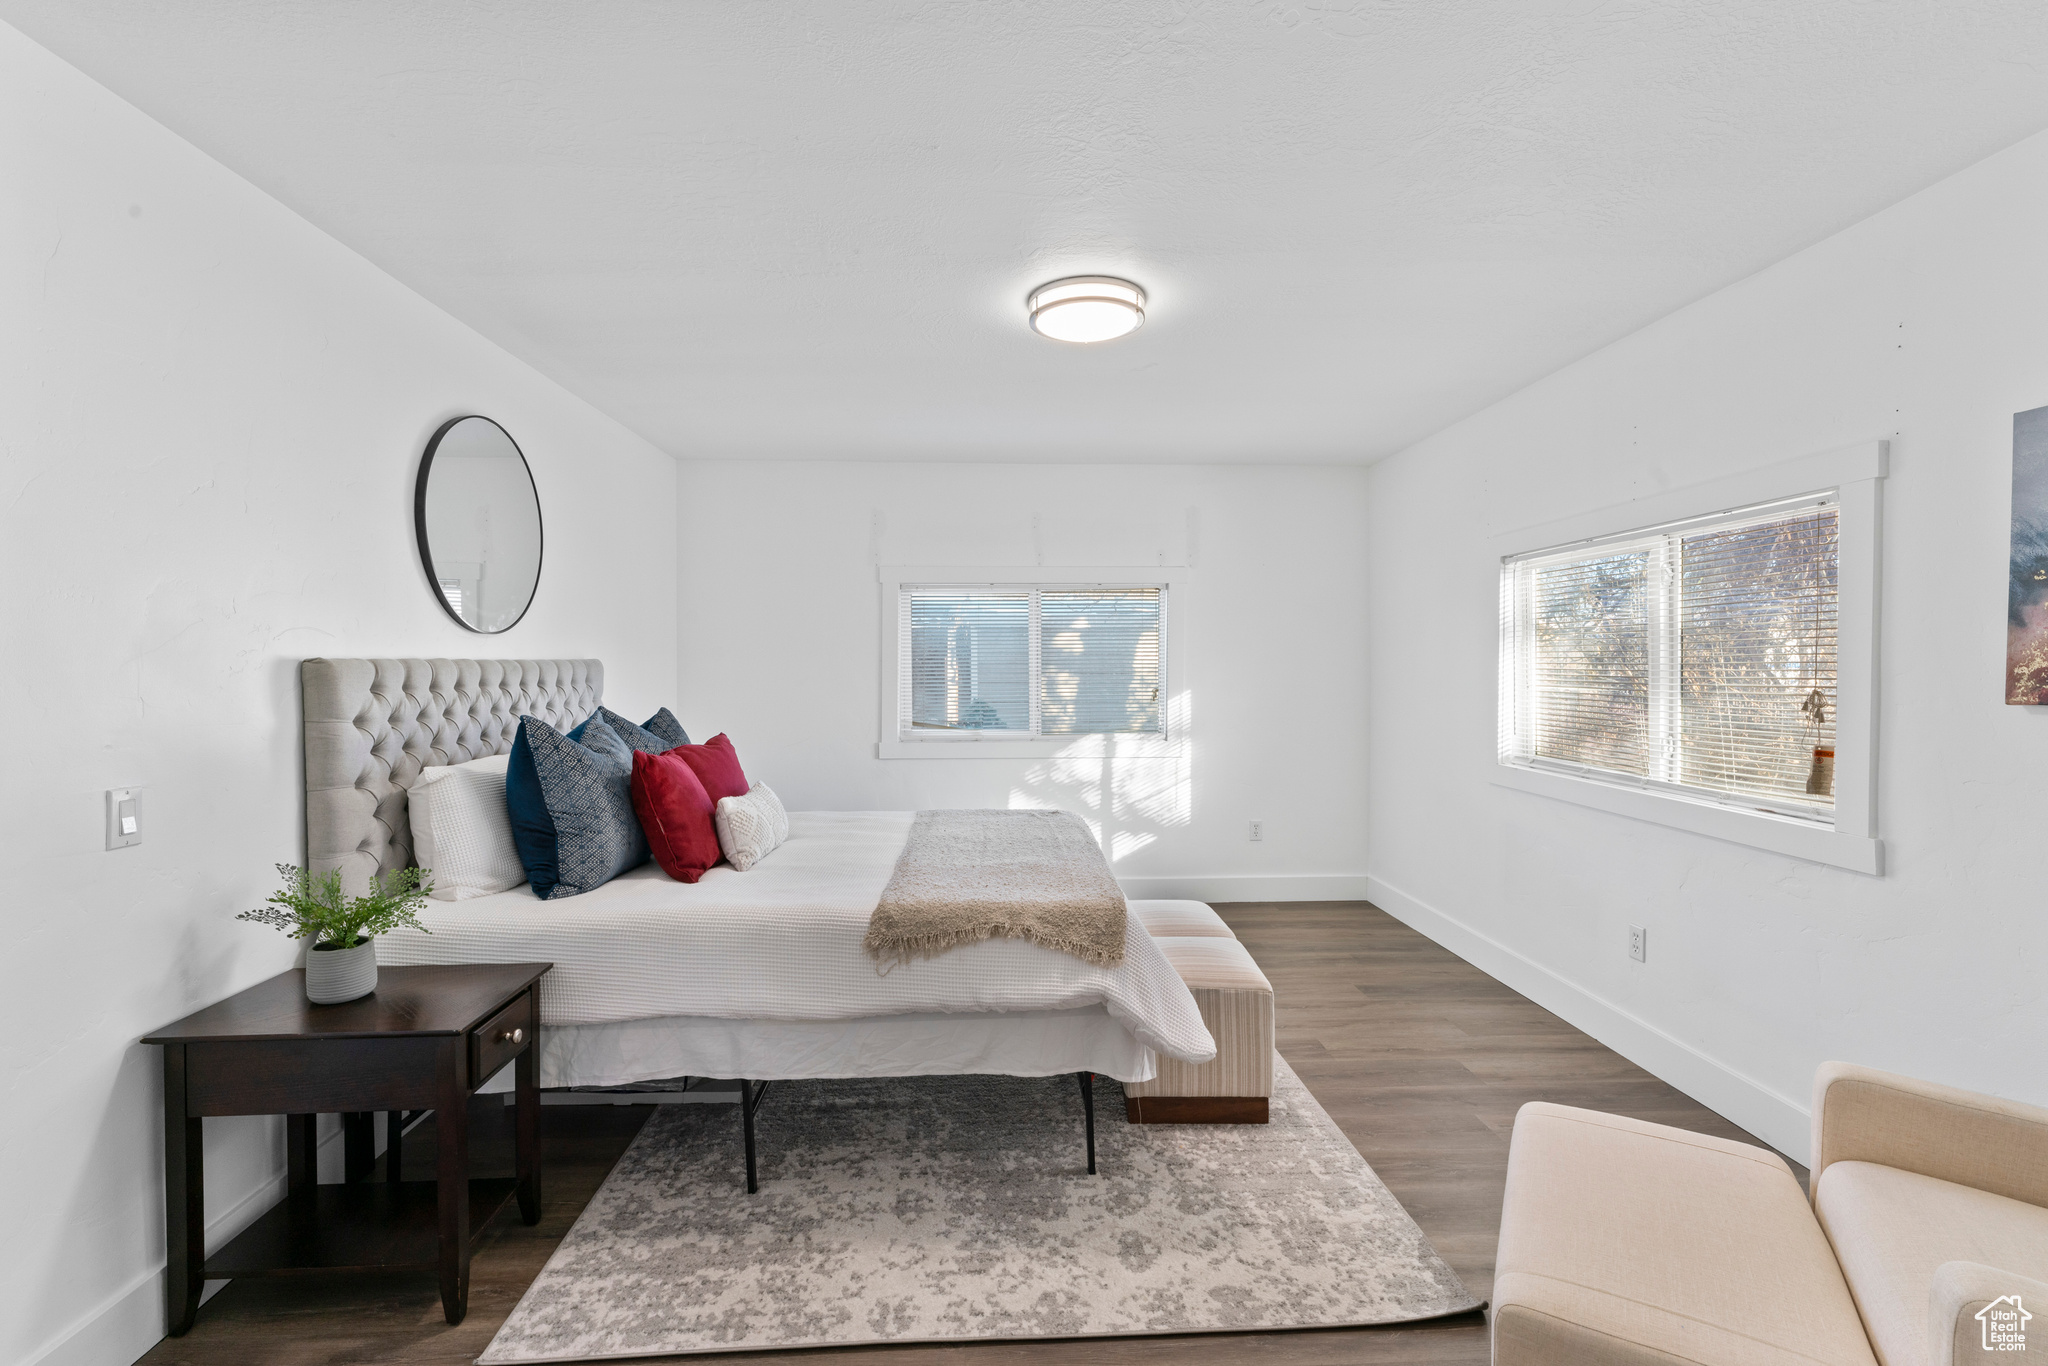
(1632, 1244)
(1935, 1201)
(1965, 1294)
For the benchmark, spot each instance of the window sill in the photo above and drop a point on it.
(1069, 746)
(1778, 834)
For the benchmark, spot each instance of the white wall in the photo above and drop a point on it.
(781, 648)
(1923, 325)
(210, 417)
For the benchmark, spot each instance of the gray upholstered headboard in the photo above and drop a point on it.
(373, 724)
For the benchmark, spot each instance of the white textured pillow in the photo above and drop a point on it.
(462, 830)
(750, 827)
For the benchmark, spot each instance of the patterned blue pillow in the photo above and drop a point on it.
(661, 733)
(570, 798)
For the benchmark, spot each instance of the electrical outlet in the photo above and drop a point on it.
(1258, 831)
(1639, 943)
(124, 817)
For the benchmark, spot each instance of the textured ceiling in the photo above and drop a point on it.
(806, 230)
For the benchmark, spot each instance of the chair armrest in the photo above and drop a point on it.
(1863, 1115)
(1963, 1290)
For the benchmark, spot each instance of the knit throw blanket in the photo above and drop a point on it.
(966, 876)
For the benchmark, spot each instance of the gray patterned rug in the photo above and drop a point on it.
(938, 1209)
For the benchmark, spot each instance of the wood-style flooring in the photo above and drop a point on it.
(1420, 1057)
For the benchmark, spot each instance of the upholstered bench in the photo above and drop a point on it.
(1236, 1002)
(1180, 920)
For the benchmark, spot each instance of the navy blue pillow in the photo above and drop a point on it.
(570, 798)
(661, 733)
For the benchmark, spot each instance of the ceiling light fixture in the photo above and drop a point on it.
(1086, 308)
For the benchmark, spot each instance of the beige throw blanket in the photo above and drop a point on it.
(966, 876)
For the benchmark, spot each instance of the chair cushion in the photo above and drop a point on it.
(1893, 1229)
(1180, 920)
(1627, 1242)
(1236, 1002)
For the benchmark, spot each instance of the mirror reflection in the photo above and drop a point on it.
(478, 519)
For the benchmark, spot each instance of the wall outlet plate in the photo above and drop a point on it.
(1639, 943)
(124, 817)
(1258, 831)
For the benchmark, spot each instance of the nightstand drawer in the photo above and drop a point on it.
(500, 1039)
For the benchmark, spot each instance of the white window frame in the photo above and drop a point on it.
(1169, 742)
(1854, 476)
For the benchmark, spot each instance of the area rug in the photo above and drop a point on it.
(942, 1209)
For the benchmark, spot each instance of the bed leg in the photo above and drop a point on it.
(747, 1130)
(1088, 1107)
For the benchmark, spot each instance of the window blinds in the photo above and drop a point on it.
(1757, 606)
(1025, 661)
(1698, 658)
(1589, 667)
(1099, 661)
(970, 655)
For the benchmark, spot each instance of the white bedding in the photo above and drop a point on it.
(1028, 1043)
(782, 941)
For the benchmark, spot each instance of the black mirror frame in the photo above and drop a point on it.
(419, 524)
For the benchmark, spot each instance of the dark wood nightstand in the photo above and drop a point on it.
(424, 1040)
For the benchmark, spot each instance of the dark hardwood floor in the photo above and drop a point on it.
(1420, 1057)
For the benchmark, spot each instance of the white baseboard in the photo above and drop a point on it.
(116, 1333)
(1777, 1119)
(132, 1320)
(1250, 887)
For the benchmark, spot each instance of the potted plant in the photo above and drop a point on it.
(342, 963)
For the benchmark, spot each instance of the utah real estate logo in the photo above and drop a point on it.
(2005, 1324)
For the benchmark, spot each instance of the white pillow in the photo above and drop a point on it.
(750, 827)
(462, 830)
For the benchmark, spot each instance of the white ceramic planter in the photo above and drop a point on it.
(337, 975)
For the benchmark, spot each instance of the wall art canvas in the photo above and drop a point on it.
(2026, 621)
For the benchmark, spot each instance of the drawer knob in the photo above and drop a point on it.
(513, 1036)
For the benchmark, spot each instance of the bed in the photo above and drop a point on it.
(756, 975)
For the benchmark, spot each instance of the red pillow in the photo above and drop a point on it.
(675, 812)
(717, 766)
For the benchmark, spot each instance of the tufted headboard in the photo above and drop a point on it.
(373, 724)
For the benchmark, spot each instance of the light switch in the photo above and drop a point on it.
(124, 817)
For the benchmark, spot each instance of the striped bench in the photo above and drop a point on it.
(1236, 1002)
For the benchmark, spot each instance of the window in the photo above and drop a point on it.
(1660, 659)
(1697, 659)
(1026, 662)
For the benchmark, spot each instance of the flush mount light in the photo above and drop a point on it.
(1086, 308)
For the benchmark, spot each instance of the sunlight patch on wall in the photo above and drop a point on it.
(1127, 791)
(1127, 842)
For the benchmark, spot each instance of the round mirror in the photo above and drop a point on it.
(478, 519)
